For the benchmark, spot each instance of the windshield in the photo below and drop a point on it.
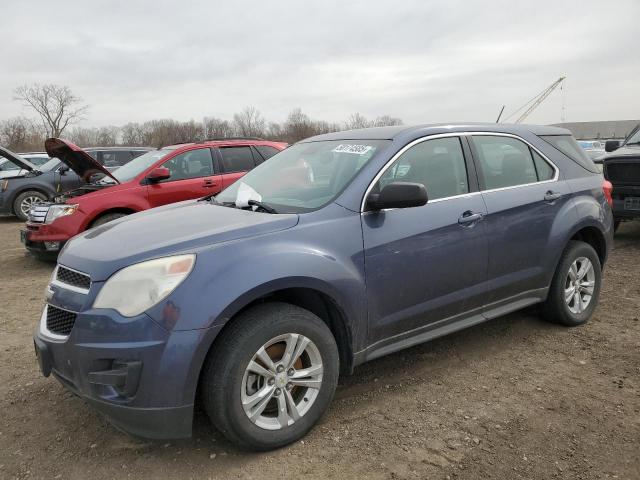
(634, 139)
(304, 177)
(136, 166)
(50, 165)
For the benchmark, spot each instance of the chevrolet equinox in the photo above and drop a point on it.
(337, 250)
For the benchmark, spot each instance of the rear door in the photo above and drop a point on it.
(235, 161)
(192, 176)
(523, 194)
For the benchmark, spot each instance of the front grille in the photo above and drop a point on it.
(38, 213)
(60, 321)
(623, 173)
(73, 278)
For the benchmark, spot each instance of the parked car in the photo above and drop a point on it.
(621, 166)
(30, 184)
(338, 250)
(170, 174)
(10, 169)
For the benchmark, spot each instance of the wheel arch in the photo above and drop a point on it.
(29, 188)
(313, 298)
(102, 213)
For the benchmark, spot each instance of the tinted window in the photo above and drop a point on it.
(568, 145)
(504, 162)
(266, 151)
(191, 164)
(116, 158)
(236, 159)
(437, 164)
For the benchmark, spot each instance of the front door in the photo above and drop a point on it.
(192, 176)
(426, 266)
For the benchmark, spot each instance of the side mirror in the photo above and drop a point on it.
(398, 195)
(611, 145)
(159, 173)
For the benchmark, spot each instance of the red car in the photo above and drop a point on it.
(169, 174)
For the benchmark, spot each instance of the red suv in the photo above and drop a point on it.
(169, 174)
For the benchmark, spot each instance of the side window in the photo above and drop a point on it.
(122, 157)
(266, 151)
(438, 164)
(543, 169)
(504, 161)
(191, 164)
(236, 159)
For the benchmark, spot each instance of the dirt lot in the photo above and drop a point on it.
(513, 398)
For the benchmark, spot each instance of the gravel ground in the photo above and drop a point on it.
(513, 398)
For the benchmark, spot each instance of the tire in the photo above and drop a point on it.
(225, 376)
(109, 217)
(572, 312)
(24, 201)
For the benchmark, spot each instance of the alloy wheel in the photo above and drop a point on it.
(29, 202)
(579, 285)
(282, 381)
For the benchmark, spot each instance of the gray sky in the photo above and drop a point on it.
(422, 61)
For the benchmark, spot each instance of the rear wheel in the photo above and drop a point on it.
(270, 376)
(23, 203)
(109, 217)
(575, 287)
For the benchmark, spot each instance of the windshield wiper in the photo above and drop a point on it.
(263, 206)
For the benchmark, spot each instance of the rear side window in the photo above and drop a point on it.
(568, 145)
(266, 151)
(508, 162)
(236, 159)
(438, 164)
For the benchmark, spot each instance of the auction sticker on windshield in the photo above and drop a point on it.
(357, 149)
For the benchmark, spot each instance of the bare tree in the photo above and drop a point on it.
(386, 121)
(249, 123)
(356, 120)
(215, 127)
(21, 134)
(57, 106)
(95, 137)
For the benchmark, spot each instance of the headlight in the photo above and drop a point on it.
(139, 287)
(4, 184)
(57, 211)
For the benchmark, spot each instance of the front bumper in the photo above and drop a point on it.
(40, 237)
(132, 370)
(5, 205)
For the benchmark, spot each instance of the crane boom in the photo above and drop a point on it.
(539, 99)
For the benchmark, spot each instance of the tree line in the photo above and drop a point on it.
(57, 109)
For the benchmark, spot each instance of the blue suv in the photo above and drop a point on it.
(338, 250)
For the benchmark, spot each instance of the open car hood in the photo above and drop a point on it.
(75, 158)
(17, 159)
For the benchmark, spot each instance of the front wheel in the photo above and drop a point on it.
(23, 203)
(270, 376)
(575, 287)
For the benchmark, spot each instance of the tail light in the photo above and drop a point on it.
(607, 189)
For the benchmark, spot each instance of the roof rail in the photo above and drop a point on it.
(219, 139)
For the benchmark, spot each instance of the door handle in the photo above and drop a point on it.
(551, 196)
(210, 183)
(469, 218)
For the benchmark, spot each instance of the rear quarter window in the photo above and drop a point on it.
(568, 145)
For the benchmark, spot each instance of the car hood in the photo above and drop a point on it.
(75, 158)
(17, 159)
(169, 230)
(13, 173)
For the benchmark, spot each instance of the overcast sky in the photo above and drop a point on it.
(422, 61)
